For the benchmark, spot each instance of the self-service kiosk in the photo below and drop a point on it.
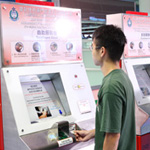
(136, 62)
(45, 91)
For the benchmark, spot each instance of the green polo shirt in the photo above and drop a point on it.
(115, 111)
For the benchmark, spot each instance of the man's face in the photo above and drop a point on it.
(96, 54)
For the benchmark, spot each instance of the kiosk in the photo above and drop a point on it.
(45, 91)
(136, 63)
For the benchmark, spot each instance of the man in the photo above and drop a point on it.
(115, 112)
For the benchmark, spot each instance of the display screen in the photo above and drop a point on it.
(44, 96)
(142, 73)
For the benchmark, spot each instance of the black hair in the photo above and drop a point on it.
(112, 38)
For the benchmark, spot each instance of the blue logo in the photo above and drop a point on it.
(13, 14)
(129, 22)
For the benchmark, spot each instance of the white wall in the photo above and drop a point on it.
(144, 6)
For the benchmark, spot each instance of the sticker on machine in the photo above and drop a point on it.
(65, 141)
(84, 106)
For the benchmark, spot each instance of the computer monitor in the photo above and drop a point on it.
(138, 71)
(142, 73)
(44, 96)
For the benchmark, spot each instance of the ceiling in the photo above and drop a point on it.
(98, 8)
(94, 11)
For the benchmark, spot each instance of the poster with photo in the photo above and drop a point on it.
(137, 31)
(35, 34)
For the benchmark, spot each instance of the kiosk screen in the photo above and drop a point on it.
(44, 96)
(142, 73)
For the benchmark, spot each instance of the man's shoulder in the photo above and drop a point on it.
(116, 84)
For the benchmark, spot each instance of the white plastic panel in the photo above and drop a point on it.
(76, 86)
(115, 19)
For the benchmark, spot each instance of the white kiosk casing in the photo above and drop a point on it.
(135, 61)
(42, 71)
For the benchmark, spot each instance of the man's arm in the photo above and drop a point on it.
(111, 141)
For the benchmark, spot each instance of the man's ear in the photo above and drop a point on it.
(102, 51)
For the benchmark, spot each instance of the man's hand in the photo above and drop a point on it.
(84, 135)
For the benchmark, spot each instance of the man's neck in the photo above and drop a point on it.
(107, 67)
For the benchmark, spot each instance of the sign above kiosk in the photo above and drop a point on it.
(47, 34)
(137, 31)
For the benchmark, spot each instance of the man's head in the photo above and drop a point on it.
(112, 39)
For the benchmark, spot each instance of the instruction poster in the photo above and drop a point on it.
(41, 99)
(34, 34)
(137, 31)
